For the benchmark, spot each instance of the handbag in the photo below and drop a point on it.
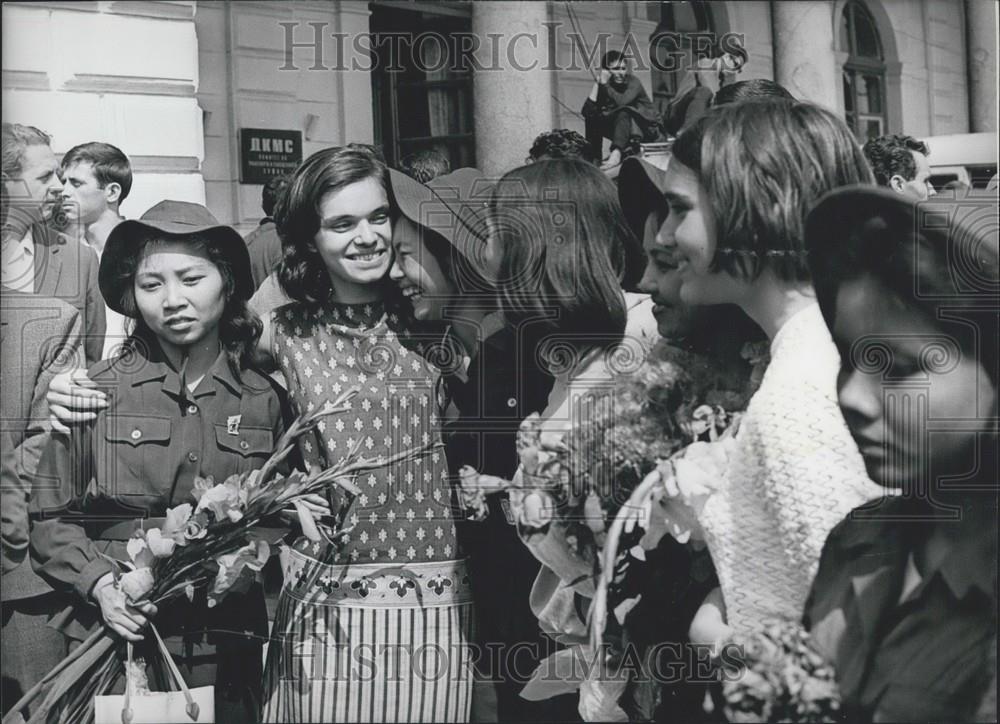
(184, 705)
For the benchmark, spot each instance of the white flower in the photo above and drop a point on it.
(136, 584)
(159, 546)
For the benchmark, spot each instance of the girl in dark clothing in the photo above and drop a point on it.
(905, 601)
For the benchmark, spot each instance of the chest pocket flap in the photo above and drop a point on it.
(250, 442)
(138, 429)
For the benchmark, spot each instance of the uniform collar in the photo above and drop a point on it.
(970, 564)
(158, 368)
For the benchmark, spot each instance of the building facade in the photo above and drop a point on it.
(173, 83)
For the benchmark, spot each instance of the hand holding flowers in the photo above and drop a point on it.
(124, 618)
(217, 545)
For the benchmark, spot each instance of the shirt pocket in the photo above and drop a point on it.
(138, 452)
(247, 450)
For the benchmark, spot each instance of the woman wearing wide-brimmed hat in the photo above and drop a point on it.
(185, 401)
(493, 383)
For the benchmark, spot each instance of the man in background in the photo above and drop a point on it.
(97, 178)
(900, 163)
(35, 258)
(263, 243)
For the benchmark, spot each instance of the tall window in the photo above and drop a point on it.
(685, 31)
(864, 72)
(424, 99)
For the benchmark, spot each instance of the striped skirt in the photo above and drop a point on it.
(371, 643)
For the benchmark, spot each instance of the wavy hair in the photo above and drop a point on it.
(764, 163)
(302, 273)
(239, 327)
(892, 155)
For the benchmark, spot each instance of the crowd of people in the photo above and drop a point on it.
(855, 325)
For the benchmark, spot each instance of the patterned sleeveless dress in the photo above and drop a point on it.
(378, 629)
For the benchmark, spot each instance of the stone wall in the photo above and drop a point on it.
(121, 72)
(247, 83)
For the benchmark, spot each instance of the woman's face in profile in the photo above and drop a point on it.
(689, 229)
(661, 279)
(912, 398)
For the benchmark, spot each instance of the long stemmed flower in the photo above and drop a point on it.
(216, 546)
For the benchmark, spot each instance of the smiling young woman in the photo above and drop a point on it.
(376, 628)
(739, 186)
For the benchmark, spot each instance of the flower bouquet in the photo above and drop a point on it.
(216, 546)
(775, 674)
(587, 492)
(618, 433)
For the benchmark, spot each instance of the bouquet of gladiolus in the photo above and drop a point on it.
(216, 545)
(775, 674)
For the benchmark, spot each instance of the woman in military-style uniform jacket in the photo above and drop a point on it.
(162, 428)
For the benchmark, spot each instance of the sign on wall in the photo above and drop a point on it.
(266, 152)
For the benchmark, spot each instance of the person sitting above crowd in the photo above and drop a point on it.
(560, 143)
(618, 109)
(697, 89)
(900, 163)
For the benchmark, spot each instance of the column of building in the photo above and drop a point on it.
(981, 25)
(513, 90)
(804, 60)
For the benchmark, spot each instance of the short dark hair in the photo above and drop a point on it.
(611, 58)
(916, 264)
(16, 138)
(891, 156)
(561, 143)
(747, 89)
(425, 165)
(764, 163)
(302, 272)
(565, 253)
(239, 328)
(109, 163)
(271, 192)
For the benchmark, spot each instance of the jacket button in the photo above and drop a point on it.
(244, 444)
(193, 457)
(192, 409)
(136, 434)
(511, 402)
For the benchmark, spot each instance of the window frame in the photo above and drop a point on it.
(856, 67)
(386, 88)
